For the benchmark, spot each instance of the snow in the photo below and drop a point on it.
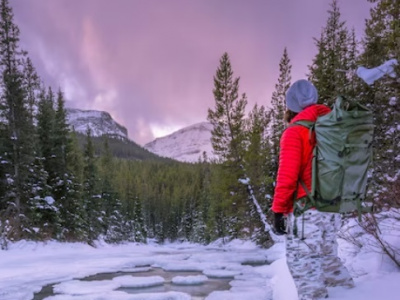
(393, 101)
(50, 200)
(189, 280)
(371, 75)
(77, 287)
(221, 273)
(267, 227)
(99, 122)
(181, 266)
(186, 144)
(138, 282)
(28, 266)
(125, 296)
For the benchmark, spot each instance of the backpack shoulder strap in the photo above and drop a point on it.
(308, 124)
(305, 123)
(299, 208)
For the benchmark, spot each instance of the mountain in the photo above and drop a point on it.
(99, 122)
(102, 124)
(186, 144)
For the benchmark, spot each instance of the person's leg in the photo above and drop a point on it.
(335, 272)
(304, 260)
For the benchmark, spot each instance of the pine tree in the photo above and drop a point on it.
(257, 158)
(61, 136)
(65, 182)
(45, 132)
(140, 233)
(228, 139)
(327, 71)
(200, 232)
(17, 147)
(353, 89)
(39, 209)
(49, 213)
(32, 88)
(61, 178)
(111, 204)
(74, 214)
(228, 117)
(91, 192)
(277, 112)
(382, 42)
(134, 223)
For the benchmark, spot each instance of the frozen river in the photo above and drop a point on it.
(238, 270)
(157, 272)
(156, 280)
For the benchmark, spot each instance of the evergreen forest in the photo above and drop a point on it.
(58, 184)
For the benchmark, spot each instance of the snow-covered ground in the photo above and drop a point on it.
(27, 266)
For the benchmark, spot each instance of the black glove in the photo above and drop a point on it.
(279, 224)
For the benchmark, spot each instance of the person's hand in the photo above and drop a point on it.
(279, 224)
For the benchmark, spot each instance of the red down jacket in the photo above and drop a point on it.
(295, 159)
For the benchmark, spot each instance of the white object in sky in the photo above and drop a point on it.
(371, 75)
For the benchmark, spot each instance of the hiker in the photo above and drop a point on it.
(312, 252)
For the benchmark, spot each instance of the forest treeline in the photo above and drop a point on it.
(51, 187)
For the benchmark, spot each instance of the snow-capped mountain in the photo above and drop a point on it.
(186, 144)
(99, 122)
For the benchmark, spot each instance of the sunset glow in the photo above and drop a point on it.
(153, 62)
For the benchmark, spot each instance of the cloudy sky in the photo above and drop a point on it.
(150, 63)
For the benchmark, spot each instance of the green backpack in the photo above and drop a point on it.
(342, 155)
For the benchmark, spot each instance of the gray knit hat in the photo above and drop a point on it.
(301, 94)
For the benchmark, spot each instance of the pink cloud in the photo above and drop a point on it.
(153, 62)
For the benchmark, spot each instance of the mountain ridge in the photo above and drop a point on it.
(102, 124)
(187, 144)
(99, 122)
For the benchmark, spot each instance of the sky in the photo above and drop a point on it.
(151, 64)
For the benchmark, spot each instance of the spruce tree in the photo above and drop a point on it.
(228, 116)
(200, 232)
(134, 226)
(381, 43)
(61, 135)
(46, 155)
(328, 69)
(140, 233)
(17, 147)
(91, 191)
(110, 203)
(277, 112)
(257, 164)
(74, 214)
(45, 132)
(65, 181)
(353, 89)
(39, 209)
(32, 88)
(228, 140)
